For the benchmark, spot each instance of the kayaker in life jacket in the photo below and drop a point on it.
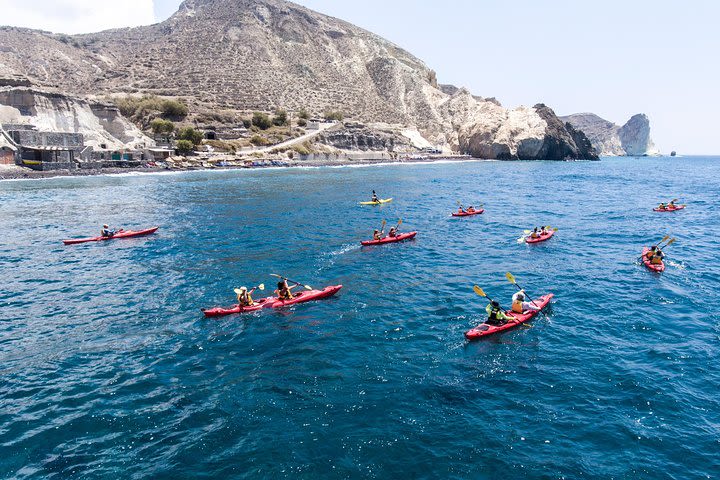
(283, 291)
(519, 305)
(375, 197)
(496, 316)
(545, 230)
(460, 210)
(671, 204)
(377, 234)
(656, 256)
(244, 297)
(471, 209)
(393, 232)
(535, 233)
(662, 207)
(106, 232)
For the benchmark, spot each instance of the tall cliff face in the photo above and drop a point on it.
(609, 139)
(266, 54)
(100, 124)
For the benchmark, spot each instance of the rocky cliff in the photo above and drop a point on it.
(609, 139)
(100, 123)
(266, 54)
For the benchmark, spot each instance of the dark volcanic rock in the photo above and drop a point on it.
(560, 141)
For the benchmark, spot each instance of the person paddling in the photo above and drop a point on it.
(519, 305)
(283, 291)
(377, 234)
(662, 207)
(671, 205)
(471, 209)
(496, 316)
(106, 232)
(545, 230)
(655, 255)
(244, 297)
(375, 197)
(535, 233)
(393, 232)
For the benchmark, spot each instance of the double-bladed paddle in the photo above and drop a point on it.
(306, 287)
(511, 279)
(482, 293)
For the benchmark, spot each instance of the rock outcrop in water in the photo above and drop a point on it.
(609, 139)
(248, 55)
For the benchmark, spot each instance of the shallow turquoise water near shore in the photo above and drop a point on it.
(109, 370)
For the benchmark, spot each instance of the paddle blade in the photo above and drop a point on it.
(670, 242)
(663, 239)
(399, 222)
(276, 275)
(479, 291)
(261, 286)
(237, 291)
(510, 277)
(307, 287)
(527, 232)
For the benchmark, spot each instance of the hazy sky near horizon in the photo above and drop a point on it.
(613, 58)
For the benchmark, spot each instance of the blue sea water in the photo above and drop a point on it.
(108, 369)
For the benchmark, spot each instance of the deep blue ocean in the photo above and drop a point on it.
(108, 369)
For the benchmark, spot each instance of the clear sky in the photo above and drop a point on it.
(611, 57)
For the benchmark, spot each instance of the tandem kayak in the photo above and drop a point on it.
(542, 238)
(399, 238)
(483, 330)
(468, 214)
(120, 234)
(274, 302)
(379, 202)
(676, 207)
(655, 267)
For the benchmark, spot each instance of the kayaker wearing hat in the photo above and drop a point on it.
(519, 305)
(106, 232)
(393, 232)
(244, 297)
(377, 234)
(655, 255)
(284, 291)
(496, 316)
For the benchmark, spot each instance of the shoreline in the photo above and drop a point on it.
(16, 172)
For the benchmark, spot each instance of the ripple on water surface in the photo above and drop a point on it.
(108, 367)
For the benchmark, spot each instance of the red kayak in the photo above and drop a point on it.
(542, 238)
(655, 267)
(120, 234)
(468, 214)
(676, 207)
(274, 302)
(483, 330)
(399, 238)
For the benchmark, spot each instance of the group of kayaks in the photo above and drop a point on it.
(653, 257)
(311, 294)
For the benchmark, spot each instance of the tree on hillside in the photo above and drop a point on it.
(191, 135)
(281, 118)
(261, 120)
(184, 146)
(162, 127)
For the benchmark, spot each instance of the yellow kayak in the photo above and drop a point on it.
(385, 200)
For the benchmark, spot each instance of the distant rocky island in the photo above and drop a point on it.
(255, 79)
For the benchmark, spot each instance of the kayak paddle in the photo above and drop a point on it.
(260, 287)
(306, 287)
(511, 279)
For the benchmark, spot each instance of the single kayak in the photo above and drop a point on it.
(655, 267)
(676, 207)
(542, 238)
(483, 330)
(468, 214)
(399, 238)
(120, 234)
(379, 202)
(274, 302)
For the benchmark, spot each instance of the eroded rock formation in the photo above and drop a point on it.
(609, 139)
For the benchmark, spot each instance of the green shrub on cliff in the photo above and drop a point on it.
(281, 118)
(191, 135)
(331, 115)
(184, 146)
(137, 108)
(162, 127)
(259, 140)
(261, 120)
